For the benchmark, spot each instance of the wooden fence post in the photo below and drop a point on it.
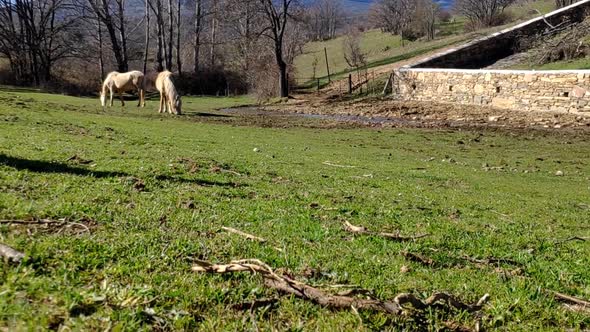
(349, 83)
(327, 64)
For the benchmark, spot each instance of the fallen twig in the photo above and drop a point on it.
(11, 254)
(246, 235)
(569, 299)
(451, 301)
(418, 258)
(288, 285)
(391, 236)
(255, 304)
(32, 222)
(573, 238)
(336, 165)
(490, 261)
(61, 224)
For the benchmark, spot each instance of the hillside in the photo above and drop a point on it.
(364, 5)
(385, 49)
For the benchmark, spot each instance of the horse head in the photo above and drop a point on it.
(177, 104)
(103, 98)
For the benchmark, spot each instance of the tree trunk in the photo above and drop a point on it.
(178, 21)
(100, 54)
(213, 34)
(283, 78)
(124, 65)
(160, 33)
(197, 36)
(170, 36)
(147, 37)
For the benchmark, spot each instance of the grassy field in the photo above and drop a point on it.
(155, 190)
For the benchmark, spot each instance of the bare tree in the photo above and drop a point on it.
(482, 13)
(324, 18)
(33, 36)
(394, 16)
(112, 15)
(425, 16)
(276, 15)
(353, 55)
(158, 10)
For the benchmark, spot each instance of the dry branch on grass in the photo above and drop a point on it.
(573, 238)
(569, 299)
(61, 224)
(571, 303)
(390, 236)
(479, 263)
(288, 285)
(11, 254)
(327, 163)
(418, 258)
(246, 235)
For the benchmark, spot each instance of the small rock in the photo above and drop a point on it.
(404, 269)
(559, 173)
(256, 150)
(493, 118)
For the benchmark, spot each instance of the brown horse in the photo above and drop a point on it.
(169, 98)
(123, 82)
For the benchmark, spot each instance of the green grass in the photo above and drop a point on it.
(583, 63)
(137, 257)
(527, 9)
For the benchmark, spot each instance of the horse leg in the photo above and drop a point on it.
(161, 102)
(111, 96)
(121, 97)
(141, 98)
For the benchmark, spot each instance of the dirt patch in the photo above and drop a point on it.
(389, 113)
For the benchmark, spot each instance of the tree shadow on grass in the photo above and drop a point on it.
(42, 166)
(200, 182)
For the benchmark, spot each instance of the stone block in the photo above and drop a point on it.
(502, 102)
(578, 92)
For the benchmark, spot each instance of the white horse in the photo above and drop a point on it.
(169, 98)
(123, 82)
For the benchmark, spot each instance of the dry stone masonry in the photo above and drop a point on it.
(438, 79)
(557, 91)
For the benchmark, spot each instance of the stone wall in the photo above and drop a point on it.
(485, 51)
(557, 91)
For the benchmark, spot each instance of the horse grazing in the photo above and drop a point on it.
(169, 98)
(123, 82)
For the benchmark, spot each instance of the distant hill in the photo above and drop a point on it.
(363, 5)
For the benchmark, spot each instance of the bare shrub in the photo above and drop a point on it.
(483, 13)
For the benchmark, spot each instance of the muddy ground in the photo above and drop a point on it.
(388, 113)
